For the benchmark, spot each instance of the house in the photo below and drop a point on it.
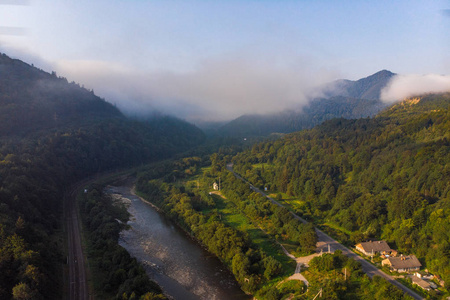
(215, 186)
(408, 263)
(374, 247)
(421, 283)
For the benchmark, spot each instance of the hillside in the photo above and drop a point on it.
(343, 98)
(52, 134)
(383, 178)
(32, 99)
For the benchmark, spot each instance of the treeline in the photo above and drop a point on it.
(386, 177)
(116, 273)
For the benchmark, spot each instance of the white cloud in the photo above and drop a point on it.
(216, 90)
(404, 86)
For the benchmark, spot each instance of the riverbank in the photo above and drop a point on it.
(115, 274)
(171, 258)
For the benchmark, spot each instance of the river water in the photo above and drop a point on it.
(171, 258)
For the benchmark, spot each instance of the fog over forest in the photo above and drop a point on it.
(221, 90)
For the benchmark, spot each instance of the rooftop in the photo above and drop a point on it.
(420, 282)
(404, 262)
(375, 246)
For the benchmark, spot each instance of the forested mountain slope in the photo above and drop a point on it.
(32, 99)
(384, 177)
(342, 98)
(52, 134)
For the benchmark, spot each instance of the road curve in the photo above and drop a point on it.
(367, 267)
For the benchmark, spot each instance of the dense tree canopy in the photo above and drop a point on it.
(384, 177)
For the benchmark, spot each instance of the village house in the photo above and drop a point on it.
(374, 247)
(408, 263)
(423, 281)
(215, 186)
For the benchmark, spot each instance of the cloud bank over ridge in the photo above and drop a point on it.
(216, 90)
(405, 86)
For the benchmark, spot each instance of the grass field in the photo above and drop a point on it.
(232, 217)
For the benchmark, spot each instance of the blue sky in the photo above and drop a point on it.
(270, 54)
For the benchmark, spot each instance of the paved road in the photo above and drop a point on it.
(367, 267)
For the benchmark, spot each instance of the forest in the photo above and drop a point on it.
(40, 159)
(385, 177)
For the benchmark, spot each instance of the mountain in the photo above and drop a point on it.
(34, 103)
(341, 98)
(366, 88)
(53, 134)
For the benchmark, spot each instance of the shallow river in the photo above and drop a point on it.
(178, 264)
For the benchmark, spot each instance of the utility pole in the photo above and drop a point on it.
(219, 183)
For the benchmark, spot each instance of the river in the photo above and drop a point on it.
(171, 258)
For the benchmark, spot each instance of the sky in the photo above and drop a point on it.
(216, 60)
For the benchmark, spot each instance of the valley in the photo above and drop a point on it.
(346, 170)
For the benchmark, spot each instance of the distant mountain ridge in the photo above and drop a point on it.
(365, 88)
(341, 98)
